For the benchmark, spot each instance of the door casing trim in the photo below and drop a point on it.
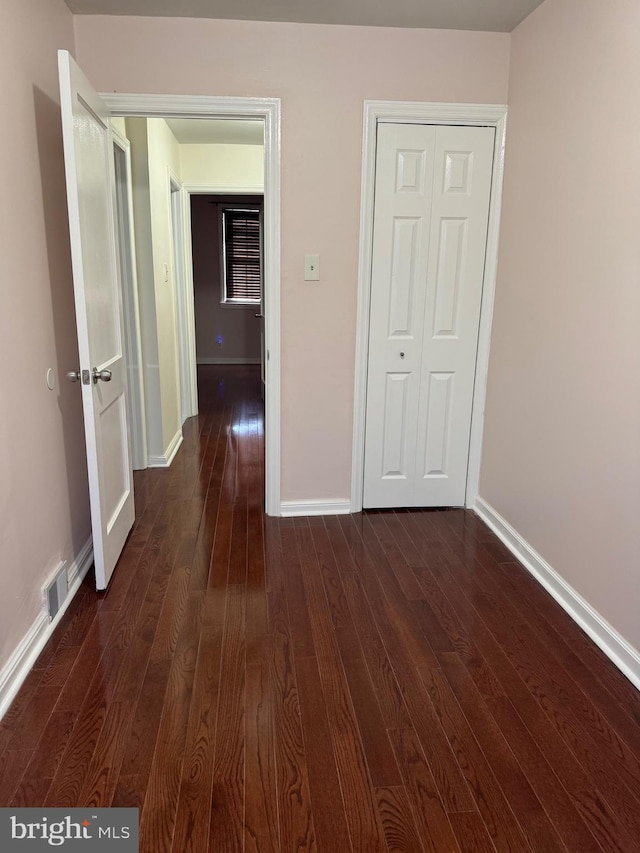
(268, 110)
(414, 112)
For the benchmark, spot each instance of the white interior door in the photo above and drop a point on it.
(433, 186)
(88, 152)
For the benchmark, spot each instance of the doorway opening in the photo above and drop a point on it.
(266, 113)
(227, 277)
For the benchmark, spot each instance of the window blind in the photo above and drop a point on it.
(243, 277)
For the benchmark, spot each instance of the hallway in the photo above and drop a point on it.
(389, 681)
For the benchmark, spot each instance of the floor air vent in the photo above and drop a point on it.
(56, 591)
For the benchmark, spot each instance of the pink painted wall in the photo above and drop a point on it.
(322, 74)
(44, 510)
(562, 452)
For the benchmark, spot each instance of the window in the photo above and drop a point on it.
(242, 273)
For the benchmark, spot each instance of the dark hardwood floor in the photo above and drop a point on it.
(384, 681)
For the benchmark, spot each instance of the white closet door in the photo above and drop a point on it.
(431, 212)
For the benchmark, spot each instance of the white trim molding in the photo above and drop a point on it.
(410, 112)
(168, 456)
(19, 665)
(185, 317)
(268, 111)
(224, 189)
(615, 647)
(302, 508)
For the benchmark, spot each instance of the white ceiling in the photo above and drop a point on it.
(189, 131)
(489, 15)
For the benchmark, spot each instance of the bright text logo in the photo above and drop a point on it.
(71, 829)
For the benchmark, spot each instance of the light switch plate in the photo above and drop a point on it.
(312, 267)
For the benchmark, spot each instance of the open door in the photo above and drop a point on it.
(88, 154)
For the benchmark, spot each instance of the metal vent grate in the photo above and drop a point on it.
(56, 591)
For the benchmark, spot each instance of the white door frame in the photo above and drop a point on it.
(411, 112)
(184, 300)
(267, 109)
(125, 246)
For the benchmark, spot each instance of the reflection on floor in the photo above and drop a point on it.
(384, 681)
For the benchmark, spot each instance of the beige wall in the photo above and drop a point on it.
(236, 325)
(561, 454)
(44, 509)
(322, 74)
(164, 155)
(155, 151)
(230, 166)
(136, 133)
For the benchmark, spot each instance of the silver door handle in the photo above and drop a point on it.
(96, 374)
(73, 375)
(259, 316)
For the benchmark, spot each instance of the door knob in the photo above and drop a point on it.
(259, 316)
(73, 375)
(104, 375)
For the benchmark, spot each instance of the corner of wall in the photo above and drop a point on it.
(604, 635)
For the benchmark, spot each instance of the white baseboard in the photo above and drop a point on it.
(301, 508)
(617, 649)
(16, 669)
(166, 460)
(228, 361)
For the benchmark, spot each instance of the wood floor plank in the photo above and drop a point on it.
(560, 806)
(73, 769)
(392, 706)
(34, 719)
(585, 795)
(399, 826)
(104, 769)
(383, 524)
(365, 828)
(228, 791)
(472, 833)
(31, 793)
(461, 632)
(389, 680)
(261, 830)
(431, 818)
(375, 741)
(515, 785)
(298, 608)
(328, 809)
(551, 686)
(295, 820)
(14, 715)
(295, 813)
(50, 748)
(341, 617)
(157, 819)
(12, 765)
(613, 724)
(402, 644)
(191, 831)
(491, 802)
(586, 662)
